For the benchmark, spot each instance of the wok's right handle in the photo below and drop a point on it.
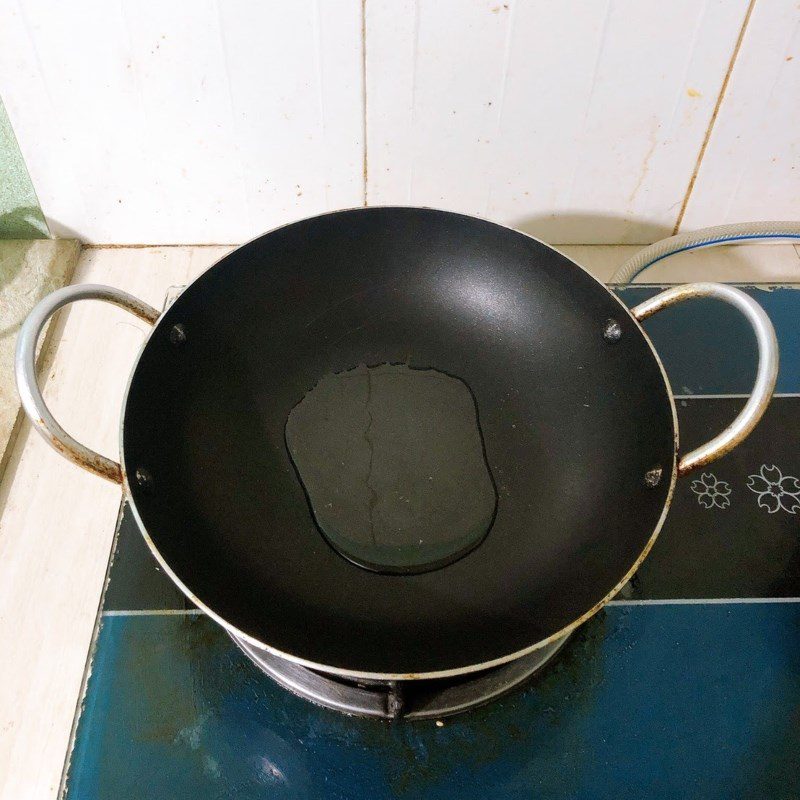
(766, 375)
(25, 370)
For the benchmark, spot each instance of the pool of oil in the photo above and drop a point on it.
(393, 464)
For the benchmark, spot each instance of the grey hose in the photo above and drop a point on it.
(706, 237)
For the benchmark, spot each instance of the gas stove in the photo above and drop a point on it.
(688, 684)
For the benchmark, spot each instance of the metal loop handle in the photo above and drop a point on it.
(766, 375)
(25, 371)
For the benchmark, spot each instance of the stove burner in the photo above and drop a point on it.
(412, 699)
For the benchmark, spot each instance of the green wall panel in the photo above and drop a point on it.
(20, 215)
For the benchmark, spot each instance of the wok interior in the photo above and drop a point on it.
(570, 425)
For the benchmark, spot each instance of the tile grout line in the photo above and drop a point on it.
(729, 396)
(714, 114)
(711, 601)
(153, 612)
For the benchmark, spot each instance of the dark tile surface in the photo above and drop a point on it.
(697, 700)
(136, 580)
(720, 542)
(708, 347)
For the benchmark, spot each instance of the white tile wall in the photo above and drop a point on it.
(161, 121)
(167, 121)
(577, 121)
(751, 167)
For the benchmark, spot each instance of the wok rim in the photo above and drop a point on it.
(405, 676)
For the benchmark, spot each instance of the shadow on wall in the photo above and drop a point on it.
(60, 231)
(591, 228)
(736, 262)
(555, 228)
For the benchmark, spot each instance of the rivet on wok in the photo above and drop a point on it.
(144, 479)
(612, 331)
(653, 477)
(177, 334)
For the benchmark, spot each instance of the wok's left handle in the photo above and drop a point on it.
(766, 374)
(28, 386)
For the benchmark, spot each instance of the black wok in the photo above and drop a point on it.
(575, 412)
